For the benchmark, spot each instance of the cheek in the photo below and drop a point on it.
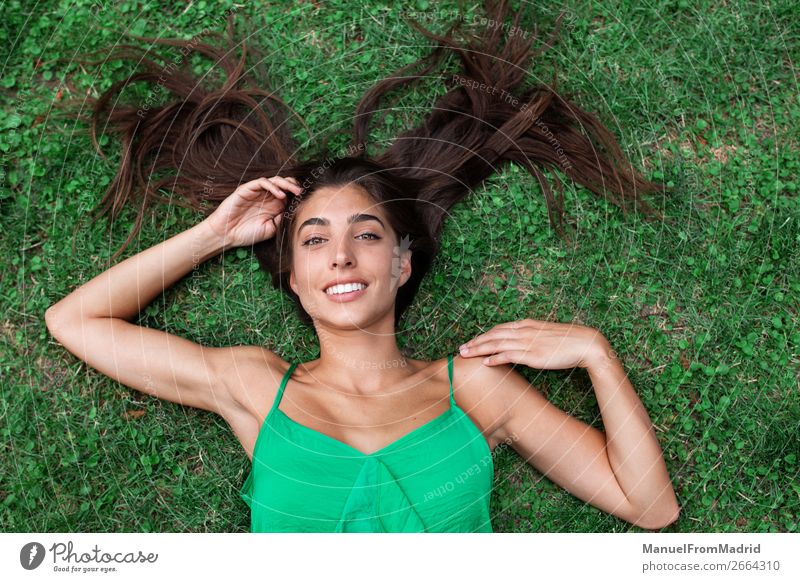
(379, 264)
(305, 266)
(389, 272)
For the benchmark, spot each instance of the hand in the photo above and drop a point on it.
(252, 212)
(538, 344)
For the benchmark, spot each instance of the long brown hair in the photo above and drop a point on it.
(214, 139)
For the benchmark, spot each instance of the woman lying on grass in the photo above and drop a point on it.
(365, 438)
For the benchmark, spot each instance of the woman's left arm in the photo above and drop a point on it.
(622, 470)
(631, 444)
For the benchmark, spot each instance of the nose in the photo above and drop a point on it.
(342, 255)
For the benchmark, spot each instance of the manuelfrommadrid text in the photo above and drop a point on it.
(693, 549)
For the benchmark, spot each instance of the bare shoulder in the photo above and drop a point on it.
(251, 375)
(485, 393)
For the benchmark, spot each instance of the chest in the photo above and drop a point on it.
(366, 424)
(438, 478)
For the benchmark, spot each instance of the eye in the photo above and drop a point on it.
(372, 234)
(308, 242)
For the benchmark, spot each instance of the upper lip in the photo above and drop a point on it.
(343, 282)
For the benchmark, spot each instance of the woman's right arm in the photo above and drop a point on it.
(93, 322)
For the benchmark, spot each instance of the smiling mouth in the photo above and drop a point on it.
(339, 293)
(343, 289)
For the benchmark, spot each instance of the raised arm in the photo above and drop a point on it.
(93, 321)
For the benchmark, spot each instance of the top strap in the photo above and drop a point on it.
(286, 377)
(450, 375)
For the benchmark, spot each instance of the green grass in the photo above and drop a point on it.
(702, 308)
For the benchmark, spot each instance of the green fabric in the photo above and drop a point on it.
(436, 478)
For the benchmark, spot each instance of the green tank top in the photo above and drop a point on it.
(436, 478)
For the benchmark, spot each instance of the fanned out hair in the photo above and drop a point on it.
(211, 140)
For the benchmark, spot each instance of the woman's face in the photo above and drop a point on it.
(342, 235)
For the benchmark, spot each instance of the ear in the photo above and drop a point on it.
(405, 267)
(292, 282)
(401, 264)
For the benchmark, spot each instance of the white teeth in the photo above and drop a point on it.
(347, 288)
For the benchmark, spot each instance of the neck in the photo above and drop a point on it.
(363, 360)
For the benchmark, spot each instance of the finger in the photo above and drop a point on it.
(286, 183)
(488, 333)
(507, 357)
(525, 333)
(255, 188)
(252, 187)
(492, 346)
(267, 185)
(492, 334)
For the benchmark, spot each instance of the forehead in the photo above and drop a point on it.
(338, 204)
(332, 198)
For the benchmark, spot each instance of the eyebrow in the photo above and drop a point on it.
(354, 218)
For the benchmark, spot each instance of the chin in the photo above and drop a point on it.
(349, 318)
